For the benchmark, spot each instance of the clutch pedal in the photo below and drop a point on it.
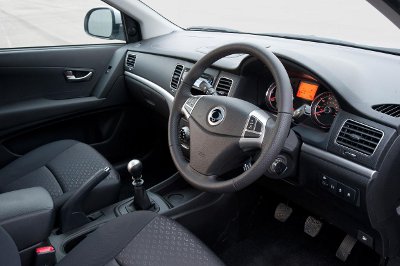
(345, 248)
(282, 212)
(312, 226)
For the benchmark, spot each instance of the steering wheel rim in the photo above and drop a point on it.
(275, 132)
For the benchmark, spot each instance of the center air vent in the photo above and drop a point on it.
(223, 86)
(388, 109)
(176, 77)
(359, 137)
(130, 61)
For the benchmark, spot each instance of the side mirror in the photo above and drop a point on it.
(104, 23)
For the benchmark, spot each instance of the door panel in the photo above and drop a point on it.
(40, 72)
(38, 104)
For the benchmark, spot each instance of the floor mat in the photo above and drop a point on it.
(270, 242)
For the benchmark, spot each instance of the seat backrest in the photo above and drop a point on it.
(8, 250)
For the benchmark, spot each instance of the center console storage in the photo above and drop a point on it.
(27, 215)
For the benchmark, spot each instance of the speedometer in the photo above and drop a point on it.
(270, 97)
(324, 109)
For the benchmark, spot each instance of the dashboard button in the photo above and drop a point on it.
(340, 188)
(349, 194)
(324, 182)
(332, 185)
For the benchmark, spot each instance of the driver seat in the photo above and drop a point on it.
(138, 238)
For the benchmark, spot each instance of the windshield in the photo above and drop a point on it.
(354, 21)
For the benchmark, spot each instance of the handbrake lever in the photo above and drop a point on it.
(72, 214)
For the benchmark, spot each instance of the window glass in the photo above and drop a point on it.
(34, 23)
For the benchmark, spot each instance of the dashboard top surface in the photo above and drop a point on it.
(359, 78)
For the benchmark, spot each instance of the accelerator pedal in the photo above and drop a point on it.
(312, 226)
(282, 212)
(345, 248)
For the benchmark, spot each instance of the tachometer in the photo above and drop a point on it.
(324, 109)
(270, 97)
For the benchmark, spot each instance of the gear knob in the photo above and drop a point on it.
(135, 169)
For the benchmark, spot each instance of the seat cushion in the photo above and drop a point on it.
(61, 167)
(141, 238)
(9, 252)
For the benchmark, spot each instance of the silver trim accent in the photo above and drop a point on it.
(340, 130)
(168, 97)
(187, 109)
(179, 79)
(337, 160)
(249, 143)
(230, 88)
(210, 116)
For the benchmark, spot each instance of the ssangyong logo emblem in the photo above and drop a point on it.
(216, 116)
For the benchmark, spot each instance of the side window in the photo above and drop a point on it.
(37, 23)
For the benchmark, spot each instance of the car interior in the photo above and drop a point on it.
(198, 147)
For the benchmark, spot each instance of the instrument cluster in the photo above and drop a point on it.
(310, 99)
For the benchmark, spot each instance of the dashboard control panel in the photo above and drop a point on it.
(339, 189)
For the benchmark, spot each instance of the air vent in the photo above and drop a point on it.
(176, 77)
(130, 61)
(359, 137)
(223, 86)
(388, 109)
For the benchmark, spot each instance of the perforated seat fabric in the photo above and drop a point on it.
(61, 167)
(142, 239)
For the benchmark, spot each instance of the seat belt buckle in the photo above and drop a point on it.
(45, 256)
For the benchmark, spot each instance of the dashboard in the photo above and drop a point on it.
(345, 132)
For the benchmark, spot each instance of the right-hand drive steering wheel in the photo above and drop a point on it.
(223, 129)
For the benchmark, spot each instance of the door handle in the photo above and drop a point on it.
(78, 75)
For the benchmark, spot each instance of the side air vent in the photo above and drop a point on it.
(130, 61)
(176, 77)
(223, 86)
(388, 109)
(359, 137)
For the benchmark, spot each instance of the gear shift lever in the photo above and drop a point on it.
(141, 200)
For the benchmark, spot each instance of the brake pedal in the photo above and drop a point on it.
(282, 212)
(345, 248)
(312, 226)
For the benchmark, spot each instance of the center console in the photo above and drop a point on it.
(173, 198)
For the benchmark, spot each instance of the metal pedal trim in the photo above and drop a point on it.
(282, 212)
(312, 226)
(345, 248)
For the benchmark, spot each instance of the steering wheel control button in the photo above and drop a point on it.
(216, 116)
(258, 127)
(249, 134)
(251, 125)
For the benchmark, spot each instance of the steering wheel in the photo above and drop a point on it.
(223, 130)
